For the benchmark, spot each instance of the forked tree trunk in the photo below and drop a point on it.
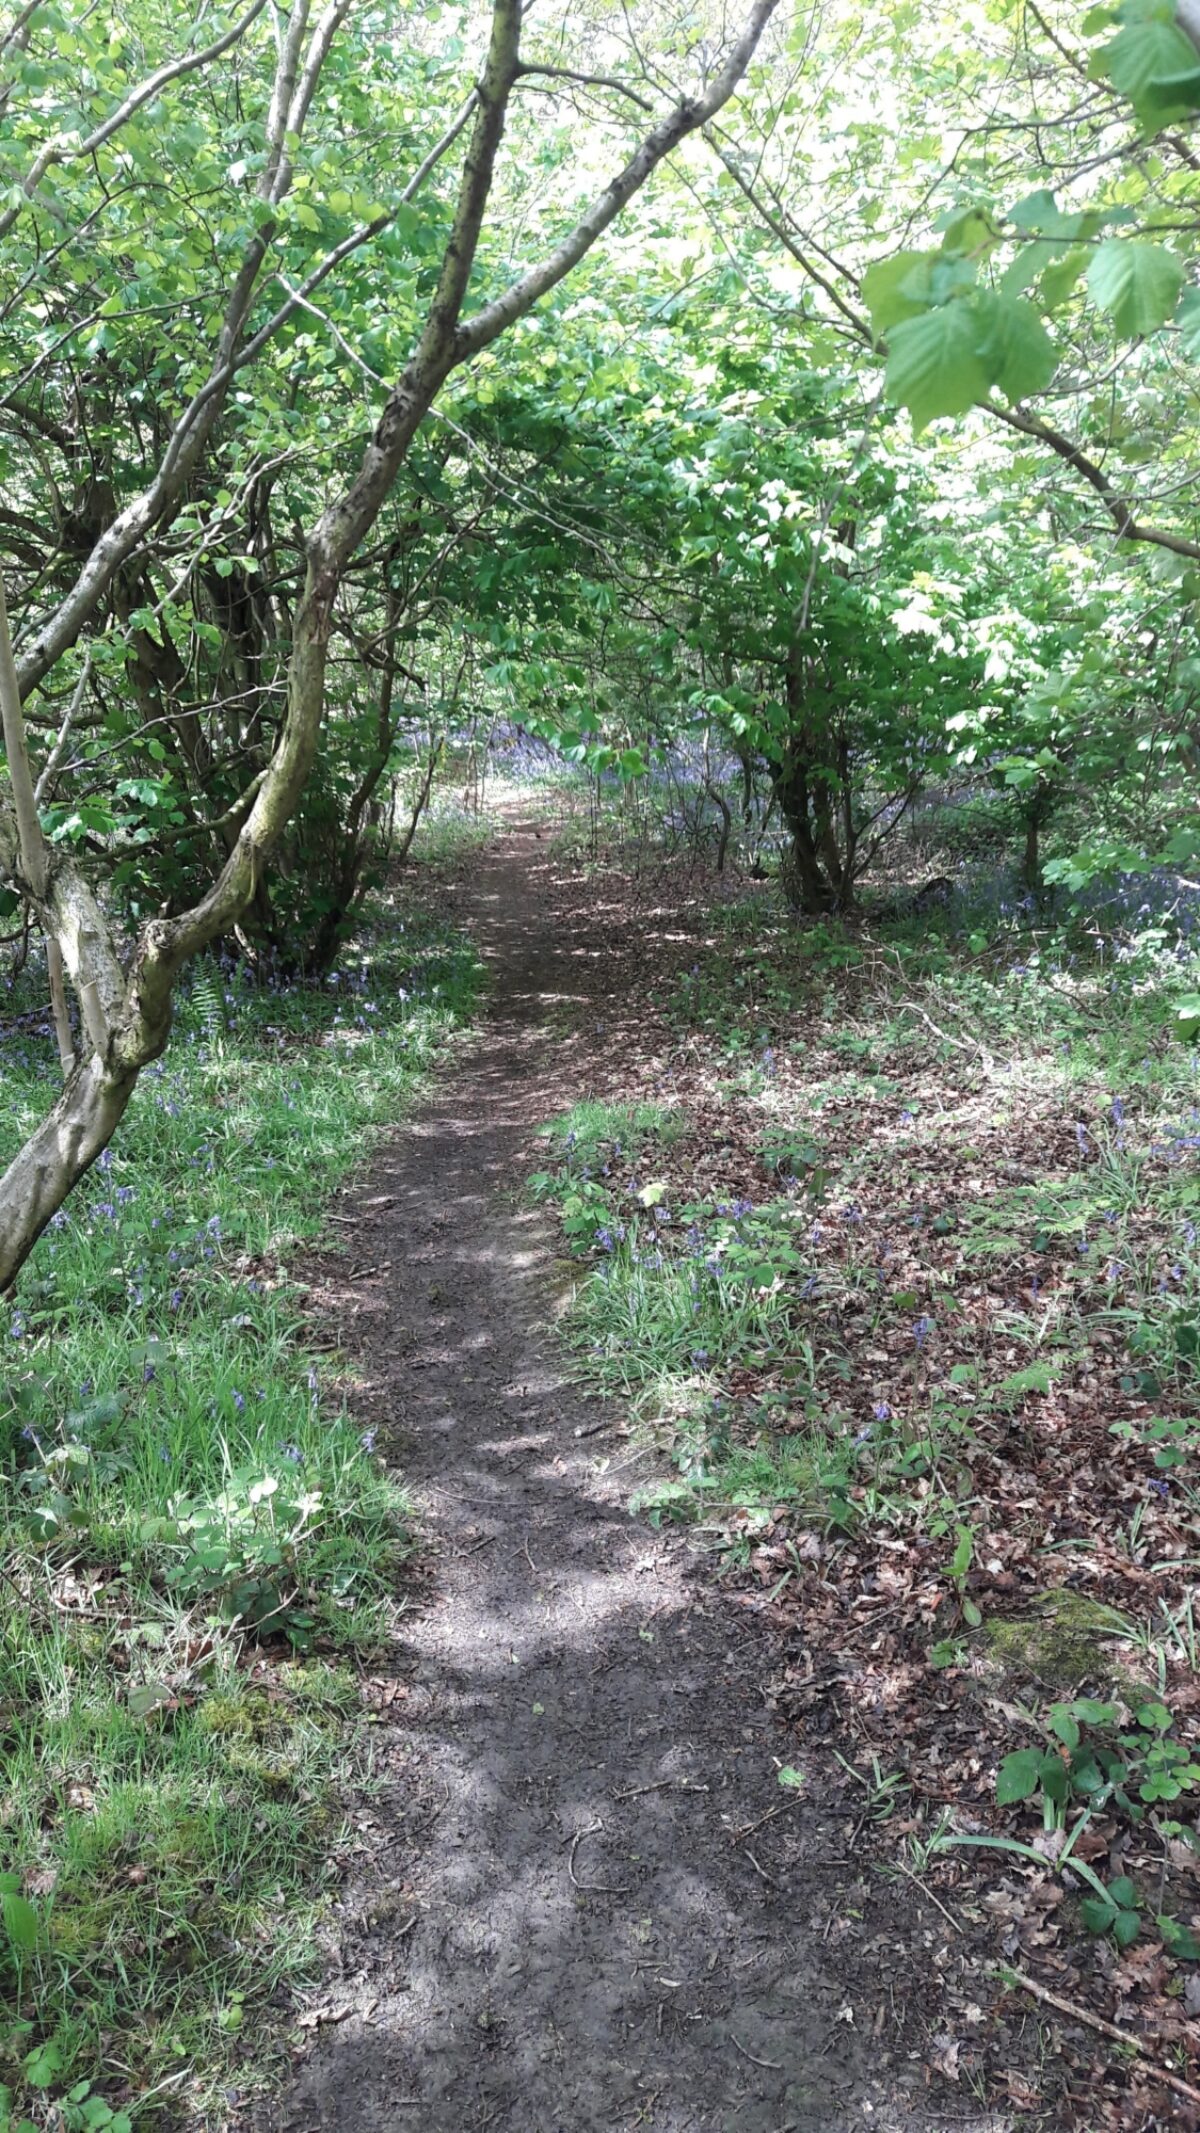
(126, 1013)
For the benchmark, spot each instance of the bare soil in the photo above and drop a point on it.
(584, 1900)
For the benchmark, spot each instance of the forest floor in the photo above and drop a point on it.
(667, 1823)
(580, 1896)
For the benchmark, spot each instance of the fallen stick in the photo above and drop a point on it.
(590, 1888)
(1106, 2029)
(737, 1835)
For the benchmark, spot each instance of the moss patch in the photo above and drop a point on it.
(1063, 1643)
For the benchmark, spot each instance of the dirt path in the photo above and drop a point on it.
(559, 1927)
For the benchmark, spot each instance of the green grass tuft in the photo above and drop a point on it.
(195, 1541)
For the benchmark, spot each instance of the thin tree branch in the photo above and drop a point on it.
(588, 81)
(689, 114)
(1128, 527)
(62, 150)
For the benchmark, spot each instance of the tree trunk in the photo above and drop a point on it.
(127, 1011)
(53, 1160)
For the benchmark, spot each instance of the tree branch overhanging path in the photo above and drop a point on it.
(126, 1005)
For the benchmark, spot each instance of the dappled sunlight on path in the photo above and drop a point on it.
(562, 1924)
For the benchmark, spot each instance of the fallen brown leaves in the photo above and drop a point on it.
(943, 1161)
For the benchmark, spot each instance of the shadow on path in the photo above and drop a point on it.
(560, 1929)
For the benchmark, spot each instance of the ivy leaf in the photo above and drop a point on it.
(1137, 284)
(934, 367)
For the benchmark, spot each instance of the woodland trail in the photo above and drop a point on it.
(558, 1927)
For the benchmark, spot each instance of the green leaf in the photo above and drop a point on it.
(1137, 284)
(1126, 1927)
(20, 1920)
(1063, 1723)
(1086, 1774)
(148, 1696)
(898, 288)
(1059, 280)
(970, 234)
(651, 1195)
(1155, 64)
(1018, 1777)
(1187, 319)
(934, 367)
(1040, 215)
(43, 2064)
(1015, 345)
(960, 1561)
(1094, 1713)
(1097, 1916)
(1179, 1940)
(1054, 1781)
(1123, 1893)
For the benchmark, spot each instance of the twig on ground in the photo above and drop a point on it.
(773, 2066)
(927, 1893)
(960, 1044)
(634, 1792)
(1106, 2029)
(589, 1888)
(736, 1836)
(761, 1871)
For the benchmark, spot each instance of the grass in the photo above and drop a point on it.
(195, 1541)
